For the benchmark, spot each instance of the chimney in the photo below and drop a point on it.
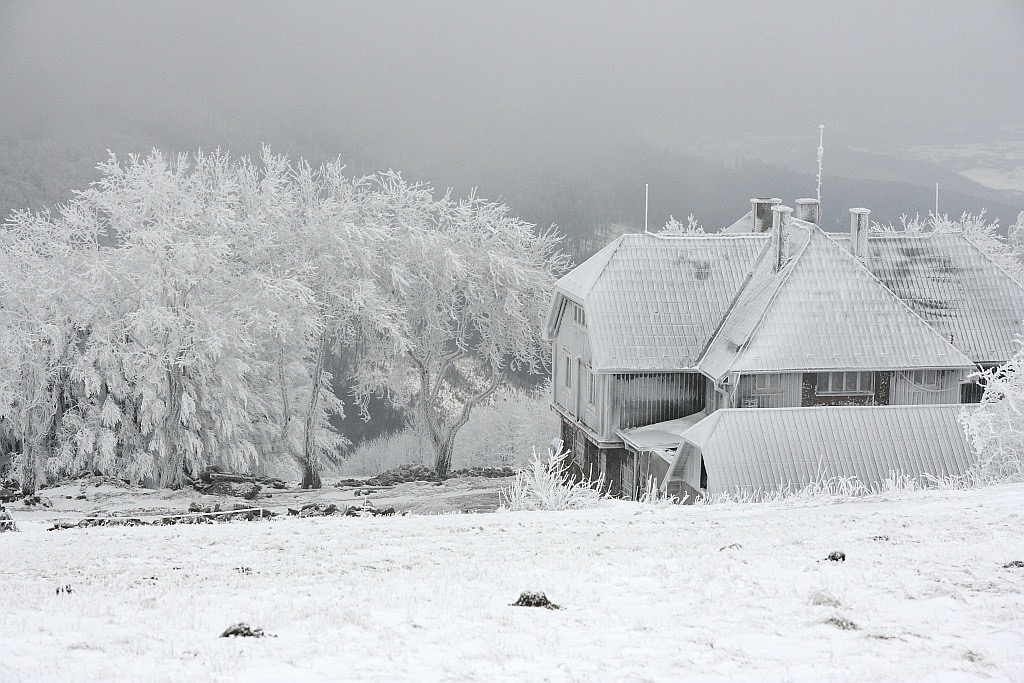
(780, 235)
(859, 232)
(761, 209)
(809, 210)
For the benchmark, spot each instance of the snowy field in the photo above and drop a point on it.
(735, 592)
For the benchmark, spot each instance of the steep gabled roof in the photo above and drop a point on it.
(956, 288)
(823, 311)
(578, 282)
(652, 302)
(743, 225)
(767, 449)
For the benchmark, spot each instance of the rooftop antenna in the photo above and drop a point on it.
(821, 153)
(647, 197)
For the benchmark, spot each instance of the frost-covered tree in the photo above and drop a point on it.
(674, 227)
(325, 242)
(1007, 253)
(164, 320)
(469, 285)
(996, 426)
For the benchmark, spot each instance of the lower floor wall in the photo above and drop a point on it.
(610, 466)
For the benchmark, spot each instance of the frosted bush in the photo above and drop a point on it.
(651, 493)
(836, 489)
(996, 426)
(545, 484)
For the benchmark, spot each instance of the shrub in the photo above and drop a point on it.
(545, 484)
(996, 426)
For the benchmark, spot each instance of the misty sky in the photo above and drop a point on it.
(480, 80)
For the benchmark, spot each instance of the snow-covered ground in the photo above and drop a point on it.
(731, 592)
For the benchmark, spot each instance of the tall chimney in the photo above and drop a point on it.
(859, 232)
(761, 209)
(780, 235)
(809, 210)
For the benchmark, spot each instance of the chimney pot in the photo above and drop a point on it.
(780, 235)
(809, 210)
(859, 221)
(761, 210)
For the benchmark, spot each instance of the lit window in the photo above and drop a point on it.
(768, 383)
(925, 379)
(846, 383)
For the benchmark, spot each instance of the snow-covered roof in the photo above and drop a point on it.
(714, 303)
(768, 449)
(659, 435)
(743, 225)
(823, 311)
(956, 288)
(653, 302)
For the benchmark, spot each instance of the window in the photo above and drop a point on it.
(578, 314)
(925, 379)
(591, 387)
(768, 383)
(846, 382)
(567, 379)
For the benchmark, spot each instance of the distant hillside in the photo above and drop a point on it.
(592, 197)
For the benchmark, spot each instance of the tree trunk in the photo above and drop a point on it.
(443, 449)
(172, 474)
(29, 468)
(310, 468)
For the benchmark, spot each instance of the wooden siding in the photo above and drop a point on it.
(788, 396)
(642, 399)
(573, 343)
(905, 392)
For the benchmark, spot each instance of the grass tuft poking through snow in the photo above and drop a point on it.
(546, 484)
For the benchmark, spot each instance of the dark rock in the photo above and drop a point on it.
(402, 475)
(534, 599)
(369, 511)
(488, 472)
(242, 630)
(320, 510)
(1016, 564)
(840, 622)
(836, 556)
(67, 590)
(6, 523)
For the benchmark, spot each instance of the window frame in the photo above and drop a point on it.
(857, 390)
(579, 315)
(591, 387)
(567, 366)
(922, 381)
(769, 378)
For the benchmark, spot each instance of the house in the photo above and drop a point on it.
(656, 334)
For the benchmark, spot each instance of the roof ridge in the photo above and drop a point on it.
(981, 251)
(742, 290)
